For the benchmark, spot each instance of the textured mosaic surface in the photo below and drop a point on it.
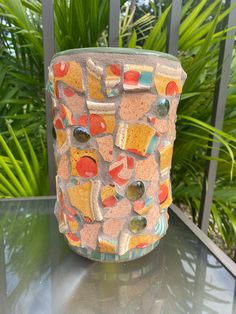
(114, 121)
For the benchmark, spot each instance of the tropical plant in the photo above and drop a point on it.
(22, 173)
(84, 23)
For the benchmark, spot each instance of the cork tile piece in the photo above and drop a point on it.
(167, 80)
(89, 235)
(152, 217)
(112, 227)
(120, 210)
(134, 106)
(145, 168)
(84, 163)
(63, 168)
(105, 147)
(138, 138)
(69, 73)
(137, 77)
(121, 169)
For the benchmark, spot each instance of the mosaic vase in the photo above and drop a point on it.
(114, 121)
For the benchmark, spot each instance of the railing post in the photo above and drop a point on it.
(114, 16)
(173, 27)
(48, 47)
(219, 102)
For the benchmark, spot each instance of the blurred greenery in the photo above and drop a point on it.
(85, 23)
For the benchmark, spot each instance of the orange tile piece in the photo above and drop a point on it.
(94, 87)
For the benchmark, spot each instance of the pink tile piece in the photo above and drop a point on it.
(112, 227)
(105, 147)
(152, 216)
(89, 235)
(134, 106)
(121, 209)
(145, 168)
(63, 167)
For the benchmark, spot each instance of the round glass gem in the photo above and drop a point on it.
(137, 224)
(135, 190)
(163, 106)
(81, 134)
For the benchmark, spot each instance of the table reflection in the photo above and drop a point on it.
(39, 274)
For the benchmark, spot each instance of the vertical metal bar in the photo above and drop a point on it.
(48, 47)
(219, 102)
(173, 27)
(114, 17)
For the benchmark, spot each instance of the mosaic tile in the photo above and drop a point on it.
(84, 163)
(112, 227)
(137, 76)
(143, 206)
(142, 241)
(121, 169)
(160, 125)
(120, 210)
(152, 218)
(164, 194)
(113, 73)
(107, 244)
(84, 198)
(105, 147)
(166, 157)
(60, 137)
(69, 73)
(89, 234)
(134, 106)
(74, 102)
(94, 74)
(108, 195)
(145, 168)
(168, 80)
(138, 138)
(63, 168)
(73, 240)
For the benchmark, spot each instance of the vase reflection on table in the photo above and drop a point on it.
(114, 120)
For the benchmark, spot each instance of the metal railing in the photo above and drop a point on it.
(220, 94)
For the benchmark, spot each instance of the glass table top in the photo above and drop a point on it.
(39, 274)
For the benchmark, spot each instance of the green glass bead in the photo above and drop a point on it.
(163, 106)
(81, 134)
(135, 190)
(137, 224)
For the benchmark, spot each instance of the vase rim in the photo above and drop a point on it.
(116, 50)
